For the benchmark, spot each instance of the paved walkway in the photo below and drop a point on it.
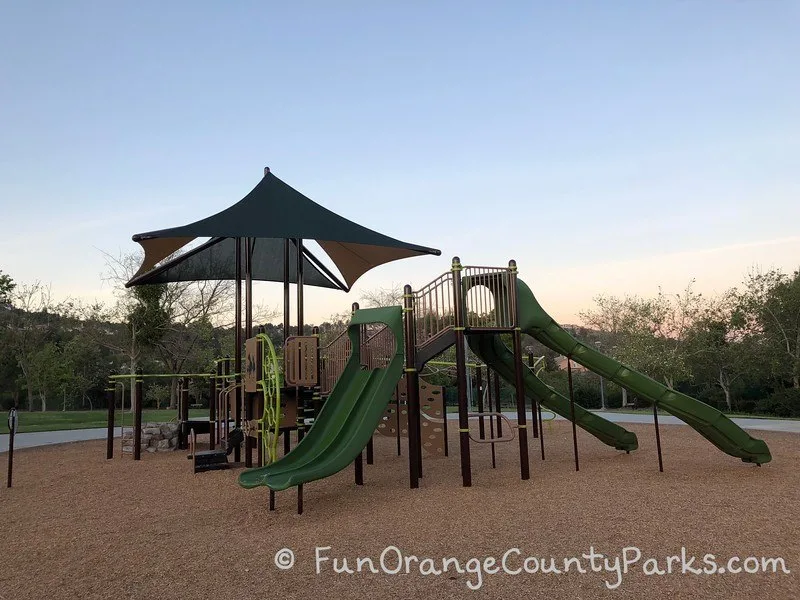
(44, 438)
(647, 418)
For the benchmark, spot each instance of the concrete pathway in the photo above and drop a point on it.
(44, 438)
(784, 425)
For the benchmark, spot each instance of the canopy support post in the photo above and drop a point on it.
(237, 367)
(247, 398)
(301, 407)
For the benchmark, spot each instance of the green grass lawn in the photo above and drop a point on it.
(87, 419)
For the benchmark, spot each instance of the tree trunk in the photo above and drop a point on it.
(173, 393)
(28, 384)
(624, 397)
(43, 398)
(725, 385)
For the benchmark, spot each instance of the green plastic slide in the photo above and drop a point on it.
(491, 350)
(348, 418)
(707, 420)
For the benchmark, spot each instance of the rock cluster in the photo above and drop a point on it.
(156, 437)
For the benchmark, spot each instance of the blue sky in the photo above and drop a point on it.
(609, 147)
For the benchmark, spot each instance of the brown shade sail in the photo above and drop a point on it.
(274, 210)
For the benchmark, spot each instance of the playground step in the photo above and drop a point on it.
(208, 460)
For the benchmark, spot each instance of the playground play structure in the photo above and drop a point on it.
(368, 379)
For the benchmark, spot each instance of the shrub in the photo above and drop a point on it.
(782, 403)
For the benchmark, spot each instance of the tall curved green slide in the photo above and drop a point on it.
(491, 350)
(348, 418)
(706, 420)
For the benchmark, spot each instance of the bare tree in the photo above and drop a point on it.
(379, 297)
(187, 313)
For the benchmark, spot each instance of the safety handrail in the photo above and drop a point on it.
(504, 438)
(434, 308)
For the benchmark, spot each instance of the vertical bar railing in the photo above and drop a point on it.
(434, 308)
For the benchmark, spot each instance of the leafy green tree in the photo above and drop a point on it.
(722, 350)
(770, 304)
(49, 374)
(7, 286)
(650, 334)
(31, 322)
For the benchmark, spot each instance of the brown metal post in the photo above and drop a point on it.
(12, 432)
(286, 320)
(519, 383)
(498, 404)
(370, 452)
(444, 428)
(219, 408)
(110, 393)
(247, 398)
(412, 386)
(300, 308)
(479, 385)
(301, 408)
(226, 372)
(359, 467)
(248, 287)
(492, 408)
(541, 429)
(658, 438)
(359, 461)
(255, 401)
(286, 301)
(461, 375)
(534, 403)
(137, 416)
(300, 499)
(572, 413)
(185, 412)
(212, 411)
(237, 408)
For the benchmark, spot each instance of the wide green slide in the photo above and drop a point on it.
(491, 350)
(348, 418)
(707, 420)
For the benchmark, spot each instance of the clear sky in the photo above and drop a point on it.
(609, 147)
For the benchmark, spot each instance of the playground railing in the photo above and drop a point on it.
(333, 358)
(378, 349)
(490, 297)
(434, 308)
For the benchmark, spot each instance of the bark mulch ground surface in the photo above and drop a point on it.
(77, 526)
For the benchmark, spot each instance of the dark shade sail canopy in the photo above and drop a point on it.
(274, 210)
(216, 260)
